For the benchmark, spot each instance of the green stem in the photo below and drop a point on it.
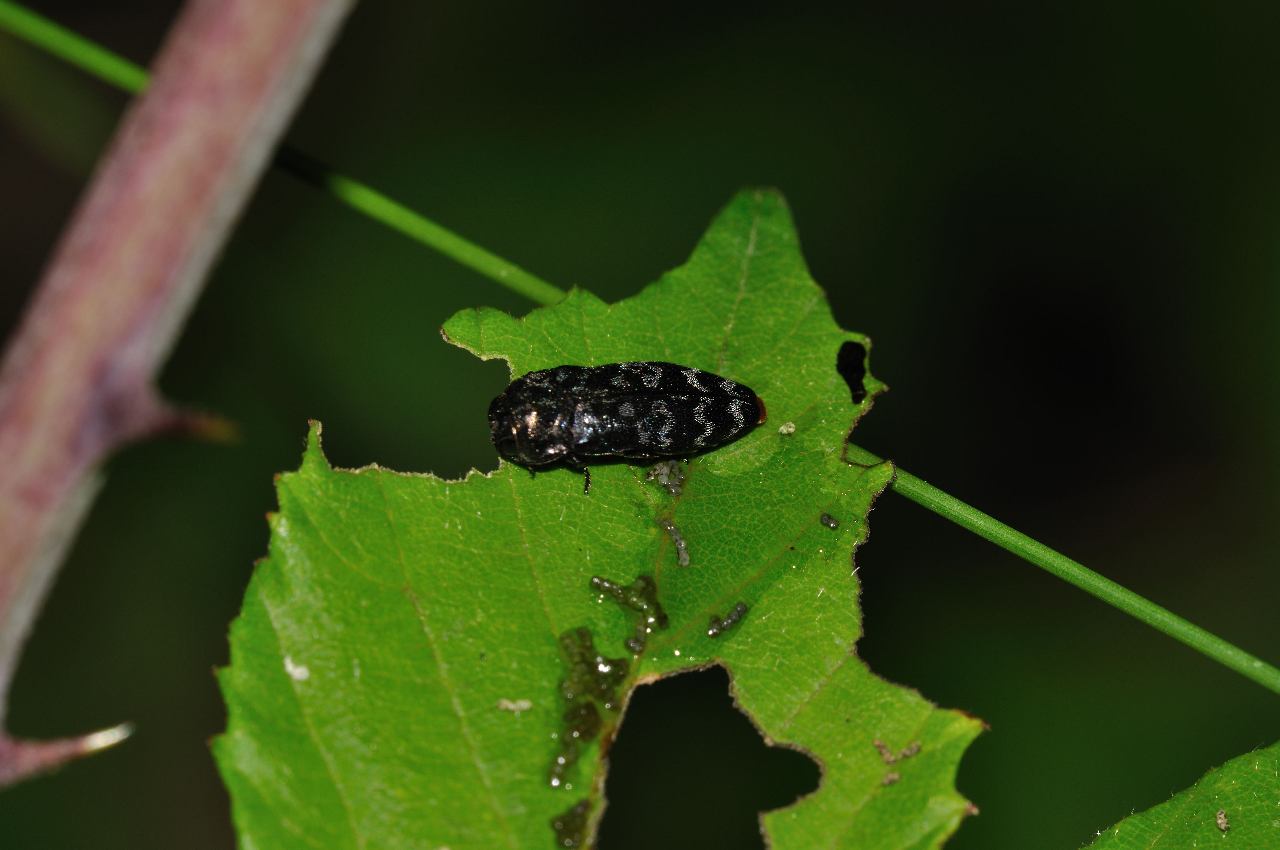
(1073, 572)
(120, 72)
(72, 48)
(397, 216)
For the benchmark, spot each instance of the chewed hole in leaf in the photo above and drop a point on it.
(851, 363)
(688, 769)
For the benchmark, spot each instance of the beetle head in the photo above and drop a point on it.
(529, 432)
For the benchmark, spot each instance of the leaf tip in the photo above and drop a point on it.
(766, 201)
(313, 454)
(760, 195)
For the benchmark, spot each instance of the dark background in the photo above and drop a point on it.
(1059, 225)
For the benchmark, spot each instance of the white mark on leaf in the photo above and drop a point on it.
(297, 672)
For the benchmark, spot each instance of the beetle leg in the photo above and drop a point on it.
(586, 480)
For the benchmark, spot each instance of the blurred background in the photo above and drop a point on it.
(1058, 224)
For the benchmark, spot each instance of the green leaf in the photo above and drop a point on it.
(395, 671)
(1235, 805)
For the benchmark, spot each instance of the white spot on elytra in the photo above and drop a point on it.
(691, 375)
(735, 410)
(297, 672)
(700, 416)
(668, 423)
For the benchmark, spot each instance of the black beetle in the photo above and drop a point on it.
(631, 411)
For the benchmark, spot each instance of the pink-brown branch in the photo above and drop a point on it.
(77, 380)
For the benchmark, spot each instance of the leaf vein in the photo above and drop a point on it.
(446, 679)
(321, 750)
(742, 288)
(533, 565)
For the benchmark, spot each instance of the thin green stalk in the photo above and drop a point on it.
(1073, 572)
(397, 216)
(120, 72)
(72, 48)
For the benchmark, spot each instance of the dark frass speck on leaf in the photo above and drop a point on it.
(590, 684)
(669, 474)
(619, 411)
(888, 756)
(720, 625)
(682, 546)
(582, 721)
(641, 597)
(829, 521)
(570, 826)
(590, 675)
